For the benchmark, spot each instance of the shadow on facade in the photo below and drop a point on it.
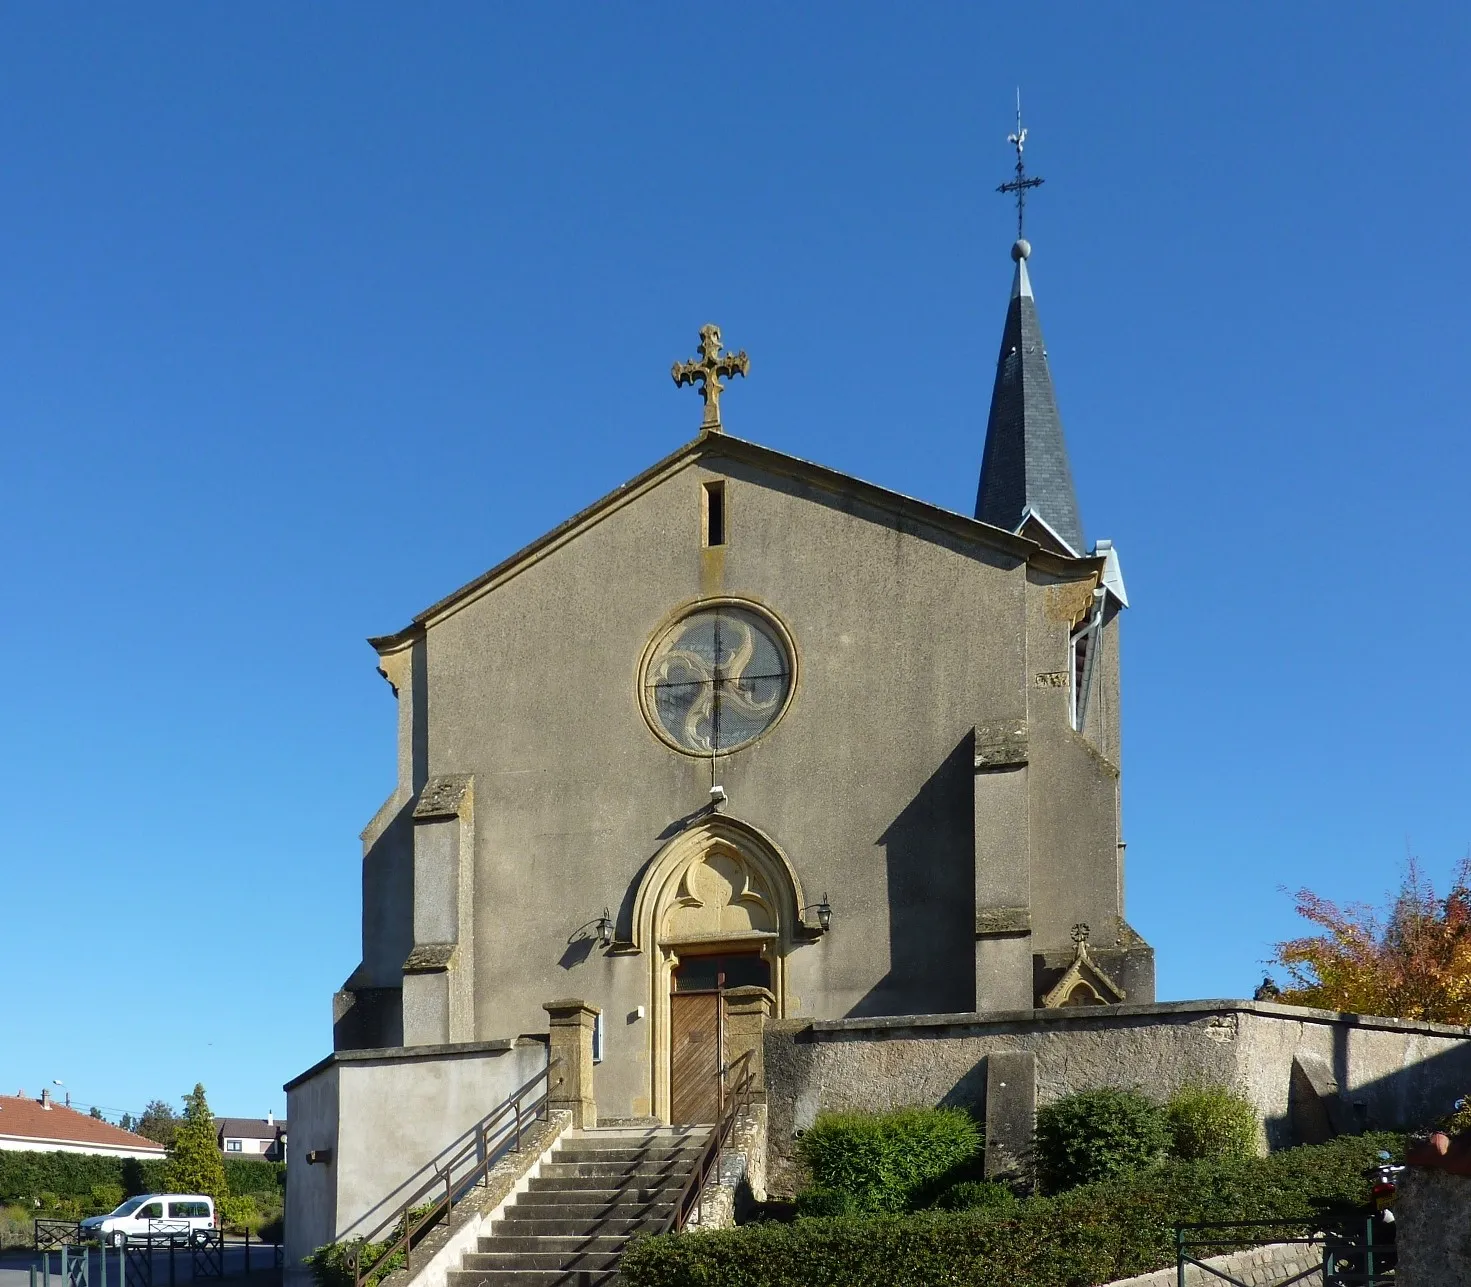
(931, 895)
(368, 1013)
(1412, 1097)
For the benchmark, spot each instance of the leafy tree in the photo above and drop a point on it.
(126, 1122)
(95, 1113)
(1411, 960)
(158, 1123)
(195, 1162)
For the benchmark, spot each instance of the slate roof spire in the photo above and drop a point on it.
(1026, 481)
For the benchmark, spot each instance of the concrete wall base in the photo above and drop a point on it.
(1433, 1210)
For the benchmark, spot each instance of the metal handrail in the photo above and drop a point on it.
(478, 1146)
(733, 1102)
(1336, 1247)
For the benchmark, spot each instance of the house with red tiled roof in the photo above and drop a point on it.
(42, 1125)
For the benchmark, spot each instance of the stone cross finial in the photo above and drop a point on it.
(712, 364)
(1080, 933)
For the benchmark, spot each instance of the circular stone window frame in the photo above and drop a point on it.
(683, 612)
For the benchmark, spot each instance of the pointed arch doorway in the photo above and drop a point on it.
(717, 909)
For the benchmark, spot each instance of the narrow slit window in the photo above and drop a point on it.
(714, 513)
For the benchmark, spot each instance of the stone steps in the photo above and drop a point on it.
(652, 1156)
(560, 1227)
(595, 1242)
(541, 1260)
(573, 1222)
(531, 1277)
(619, 1171)
(590, 1213)
(639, 1188)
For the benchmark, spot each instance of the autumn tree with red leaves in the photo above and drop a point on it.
(1410, 961)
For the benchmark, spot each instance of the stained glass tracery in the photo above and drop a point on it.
(718, 679)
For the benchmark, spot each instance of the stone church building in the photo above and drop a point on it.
(747, 720)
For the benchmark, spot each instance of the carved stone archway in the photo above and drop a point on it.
(721, 885)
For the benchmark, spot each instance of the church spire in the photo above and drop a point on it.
(1026, 480)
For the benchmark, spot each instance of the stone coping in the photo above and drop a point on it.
(386, 1054)
(1112, 1015)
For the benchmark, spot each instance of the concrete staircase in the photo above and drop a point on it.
(570, 1227)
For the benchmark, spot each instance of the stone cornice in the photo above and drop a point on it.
(389, 1054)
(927, 1025)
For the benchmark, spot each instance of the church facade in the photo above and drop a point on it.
(749, 721)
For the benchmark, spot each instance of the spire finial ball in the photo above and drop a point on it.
(1022, 249)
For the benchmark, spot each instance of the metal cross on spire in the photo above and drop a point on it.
(707, 370)
(1021, 183)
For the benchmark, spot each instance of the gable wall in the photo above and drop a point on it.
(904, 644)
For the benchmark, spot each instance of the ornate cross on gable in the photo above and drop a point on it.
(707, 370)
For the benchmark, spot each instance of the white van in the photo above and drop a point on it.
(155, 1217)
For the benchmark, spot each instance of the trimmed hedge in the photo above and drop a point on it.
(975, 1195)
(826, 1203)
(1089, 1235)
(25, 1175)
(889, 1161)
(250, 1176)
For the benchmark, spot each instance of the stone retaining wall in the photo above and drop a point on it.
(1311, 1073)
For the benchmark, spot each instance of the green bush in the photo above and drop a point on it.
(1458, 1119)
(889, 1161)
(15, 1226)
(977, 1195)
(1211, 1121)
(239, 1214)
(826, 1202)
(106, 1197)
(1094, 1134)
(332, 1265)
(1092, 1234)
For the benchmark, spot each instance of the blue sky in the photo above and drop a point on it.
(310, 314)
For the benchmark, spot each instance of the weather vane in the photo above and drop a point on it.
(1021, 183)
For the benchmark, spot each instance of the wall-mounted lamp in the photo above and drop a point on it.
(604, 929)
(599, 930)
(320, 1156)
(824, 911)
